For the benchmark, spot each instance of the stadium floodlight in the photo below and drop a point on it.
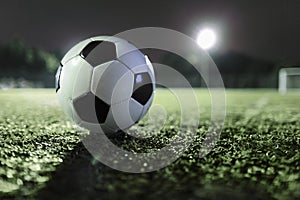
(206, 38)
(289, 79)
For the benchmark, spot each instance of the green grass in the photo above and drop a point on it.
(34, 139)
(258, 154)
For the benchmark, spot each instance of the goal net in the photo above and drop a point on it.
(289, 80)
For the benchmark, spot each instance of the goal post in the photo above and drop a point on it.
(289, 79)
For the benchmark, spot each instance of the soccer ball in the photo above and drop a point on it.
(105, 82)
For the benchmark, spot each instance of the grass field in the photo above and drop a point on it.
(257, 156)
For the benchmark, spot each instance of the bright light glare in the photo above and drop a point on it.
(206, 39)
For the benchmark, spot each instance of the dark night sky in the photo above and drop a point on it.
(268, 29)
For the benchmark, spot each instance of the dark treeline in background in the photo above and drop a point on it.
(24, 66)
(237, 70)
(243, 71)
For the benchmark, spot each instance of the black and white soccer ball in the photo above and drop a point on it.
(105, 82)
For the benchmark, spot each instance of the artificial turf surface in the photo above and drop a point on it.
(256, 157)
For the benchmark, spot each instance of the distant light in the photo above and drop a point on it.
(206, 39)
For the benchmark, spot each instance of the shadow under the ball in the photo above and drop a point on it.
(82, 177)
(73, 179)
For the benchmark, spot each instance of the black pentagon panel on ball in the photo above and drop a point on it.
(91, 109)
(99, 52)
(57, 77)
(142, 88)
